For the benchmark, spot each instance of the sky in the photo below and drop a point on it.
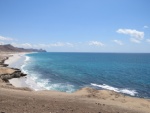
(76, 25)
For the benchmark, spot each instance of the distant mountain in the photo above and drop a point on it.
(10, 48)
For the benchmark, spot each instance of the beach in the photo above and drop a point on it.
(16, 97)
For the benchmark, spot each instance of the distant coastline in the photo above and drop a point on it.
(10, 48)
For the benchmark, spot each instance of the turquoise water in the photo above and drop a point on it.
(68, 72)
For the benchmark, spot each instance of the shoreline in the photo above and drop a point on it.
(82, 101)
(21, 82)
(12, 62)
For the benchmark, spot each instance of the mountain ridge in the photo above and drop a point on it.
(10, 48)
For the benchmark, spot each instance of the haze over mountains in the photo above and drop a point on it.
(10, 48)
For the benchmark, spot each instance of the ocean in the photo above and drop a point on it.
(127, 73)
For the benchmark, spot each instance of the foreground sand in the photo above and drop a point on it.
(86, 100)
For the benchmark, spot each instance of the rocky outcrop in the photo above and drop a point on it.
(7, 73)
(2, 60)
(15, 74)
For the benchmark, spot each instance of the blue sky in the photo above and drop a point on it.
(76, 25)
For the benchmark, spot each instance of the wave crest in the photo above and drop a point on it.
(119, 90)
(27, 58)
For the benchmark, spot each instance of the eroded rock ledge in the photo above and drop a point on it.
(7, 73)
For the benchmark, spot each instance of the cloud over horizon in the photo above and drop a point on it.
(135, 36)
(145, 27)
(57, 44)
(148, 40)
(118, 42)
(2, 43)
(5, 38)
(96, 43)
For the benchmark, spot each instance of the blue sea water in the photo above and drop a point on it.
(127, 73)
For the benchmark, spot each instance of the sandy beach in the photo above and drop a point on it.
(86, 100)
(12, 62)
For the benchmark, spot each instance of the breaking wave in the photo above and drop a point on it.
(119, 90)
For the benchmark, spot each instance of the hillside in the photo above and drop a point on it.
(10, 48)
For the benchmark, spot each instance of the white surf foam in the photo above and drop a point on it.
(24, 64)
(27, 58)
(35, 82)
(30, 80)
(16, 60)
(32, 84)
(125, 91)
(65, 87)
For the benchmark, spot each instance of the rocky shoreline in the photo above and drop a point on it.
(7, 73)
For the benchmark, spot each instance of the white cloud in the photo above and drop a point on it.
(24, 45)
(5, 38)
(41, 46)
(136, 36)
(70, 44)
(57, 44)
(61, 44)
(2, 43)
(118, 42)
(135, 40)
(133, 33)
(148, 40)
(95, 43)
(145, 27)
(27, 45)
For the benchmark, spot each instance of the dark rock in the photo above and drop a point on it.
(16, 74)
(5, 65)
(15, 68)
(22, 74)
